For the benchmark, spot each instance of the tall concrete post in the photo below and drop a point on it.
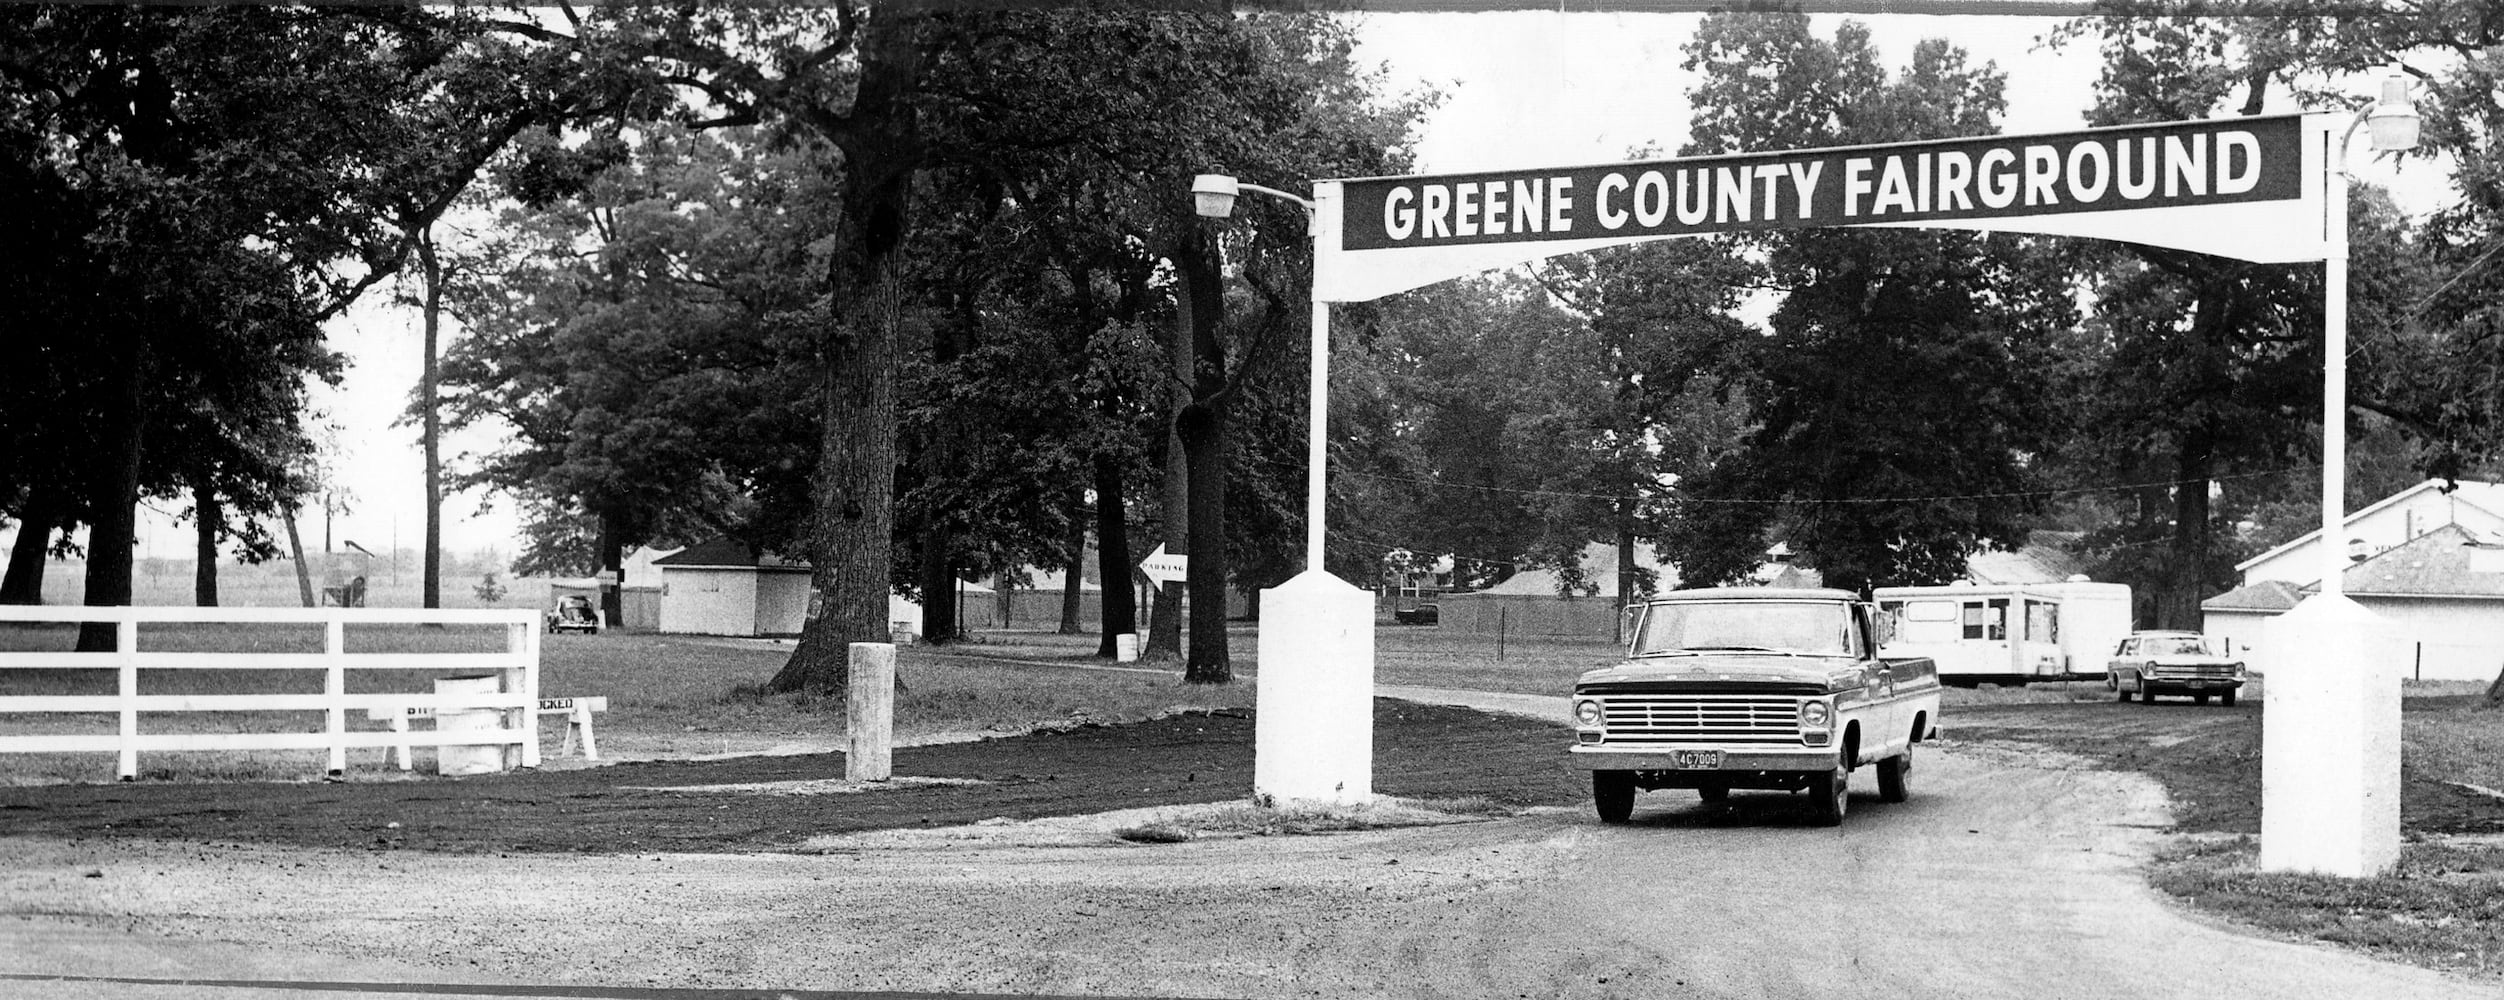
(1313, 728)
(2330, 742)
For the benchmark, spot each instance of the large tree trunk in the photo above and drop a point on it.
(2187, 556)
(1074, 582)
(852, 537)
(430, 587)
(612, 559)
(206, 520)
(116, 501)
(1202, 431)
(295, 547)
(938, 581)
(1121, 612)
(1165, 619)
(35, 527)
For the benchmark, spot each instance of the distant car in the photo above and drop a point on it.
(2151, 663)
(574, 614)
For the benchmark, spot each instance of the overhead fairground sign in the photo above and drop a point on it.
(2244, 187)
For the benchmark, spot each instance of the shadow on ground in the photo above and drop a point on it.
(1420, 751)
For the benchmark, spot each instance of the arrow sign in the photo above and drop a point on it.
(1162, 568)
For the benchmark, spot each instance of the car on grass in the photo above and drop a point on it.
(1753, 688)
(2148, 664)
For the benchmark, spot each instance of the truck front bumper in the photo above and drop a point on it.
(1733, 759)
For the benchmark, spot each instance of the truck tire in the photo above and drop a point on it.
(1832, 792)
(1895, 777)
(2226, 699)
(1613, 795)
(2112, 683)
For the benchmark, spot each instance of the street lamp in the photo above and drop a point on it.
(2330, 723)
(1213, 196)
(2392, 127)
(1313, 739)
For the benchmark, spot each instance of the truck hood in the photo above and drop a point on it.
(1734, 671)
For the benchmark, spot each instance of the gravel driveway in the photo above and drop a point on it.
(2009, 875)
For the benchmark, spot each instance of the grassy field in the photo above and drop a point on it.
(669, 696)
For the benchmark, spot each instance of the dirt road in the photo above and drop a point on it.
(2009, 875)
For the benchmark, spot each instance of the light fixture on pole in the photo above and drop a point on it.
(2391, 126)
(2330, 716)
(1312, 740)
(1213, 195)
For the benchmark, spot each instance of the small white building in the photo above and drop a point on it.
(723, 587)
(2388, 524)
(2441, 593)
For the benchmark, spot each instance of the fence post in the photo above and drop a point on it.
(126, 647)
(869, 703)
(335, 688)
(524, 640)
(1503, 621)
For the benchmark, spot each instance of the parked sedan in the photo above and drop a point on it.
(2153, 663)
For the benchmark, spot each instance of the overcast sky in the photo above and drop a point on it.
(1520, 89)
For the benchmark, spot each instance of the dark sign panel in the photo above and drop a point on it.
(2104, 170)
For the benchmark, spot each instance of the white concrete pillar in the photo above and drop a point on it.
(2330, 742)
(1313, 730)
(870, 711)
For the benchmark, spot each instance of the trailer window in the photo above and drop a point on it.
(2043, 622)
(1986, 620)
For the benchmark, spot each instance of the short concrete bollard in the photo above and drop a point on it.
(451, 759)
(870, 711)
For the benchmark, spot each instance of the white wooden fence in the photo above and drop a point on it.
(517, 668)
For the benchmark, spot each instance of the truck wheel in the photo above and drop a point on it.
(1895, 777)
(1832, 790)
(2200, 698)
(2226, 699)
(1713, 793)
(2112, 683)
(1613, 795)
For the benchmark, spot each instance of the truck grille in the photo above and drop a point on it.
(1701, 719)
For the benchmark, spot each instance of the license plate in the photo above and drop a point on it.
(1698, 759)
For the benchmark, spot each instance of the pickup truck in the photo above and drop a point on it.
(1753, 687)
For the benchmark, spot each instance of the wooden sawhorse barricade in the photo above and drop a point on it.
(577, 713)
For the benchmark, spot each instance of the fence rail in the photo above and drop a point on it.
(516, 670)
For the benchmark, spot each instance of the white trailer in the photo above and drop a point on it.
(2012, 633)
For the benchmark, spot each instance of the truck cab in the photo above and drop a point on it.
(1752, 688)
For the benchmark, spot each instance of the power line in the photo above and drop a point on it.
(2067, 491)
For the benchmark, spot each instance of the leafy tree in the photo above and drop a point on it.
(1900, 393)
(638, 343)
(2210, 367)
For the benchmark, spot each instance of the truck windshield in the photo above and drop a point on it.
(1819, 628)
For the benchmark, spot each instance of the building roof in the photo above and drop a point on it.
(2266, 596)
(2043, 558)
(722, 552)
(2435, 564)
(1599, 566)
(2488, 497)
(2440, 563)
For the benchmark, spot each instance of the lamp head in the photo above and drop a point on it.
(2393, 121)
(1213, 195)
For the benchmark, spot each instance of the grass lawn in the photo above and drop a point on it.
(669, 696)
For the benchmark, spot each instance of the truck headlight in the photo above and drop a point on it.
(1816, 715)
(1587, 713)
